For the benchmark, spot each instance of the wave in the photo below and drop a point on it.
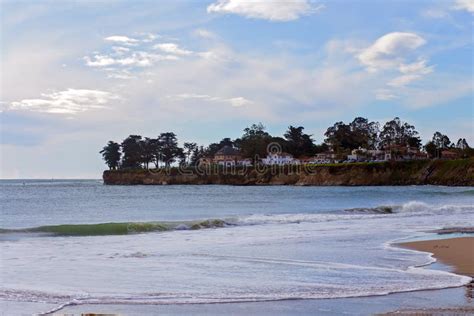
(373, 210)
(118, 228)
(463, 192)
(61, 300)
(413, 208)
(421, 207)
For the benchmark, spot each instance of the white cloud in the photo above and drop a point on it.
(142, 55)
(205, 33)
(388, 50)
(384, 95)
(271, 10)
(239, 101)
(149, 37)
(124, 40)
(70, 101)
(172, 48)
(416, 67)
(411, 72)
(392, 55)
(119, 50)
(467, 5)
(136, 59)
(235, 102)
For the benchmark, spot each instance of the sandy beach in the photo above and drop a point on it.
(455, 252)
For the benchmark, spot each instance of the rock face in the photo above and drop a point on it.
(437, 172)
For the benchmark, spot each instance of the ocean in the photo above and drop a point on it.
(79, 242)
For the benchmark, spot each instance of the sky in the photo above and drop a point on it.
(76, 74)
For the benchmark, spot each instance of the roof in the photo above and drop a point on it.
(228, 151)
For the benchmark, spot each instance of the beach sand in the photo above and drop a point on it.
(455, 252)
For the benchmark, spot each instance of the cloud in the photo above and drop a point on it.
(70, 101)
(124, 40)
(385, 95)
(116, 60)
(440, 92)
(119, 50)
(467, 5)
(388, 50)
(136, 59)
(390, 57)
(411, 72)
(205, 34)
(235, 102)
(279, 11)
(435, 13)
(172, 48)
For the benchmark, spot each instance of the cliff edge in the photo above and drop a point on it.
(436, 172)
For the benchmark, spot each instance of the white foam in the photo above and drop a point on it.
(264, 257)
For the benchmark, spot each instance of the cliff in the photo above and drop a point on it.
(436, 172)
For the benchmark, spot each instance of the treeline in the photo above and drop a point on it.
(142, 152)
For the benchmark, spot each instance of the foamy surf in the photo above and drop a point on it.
(414, 208)
(247, 247)
(438, 280)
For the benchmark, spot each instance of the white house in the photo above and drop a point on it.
(246, 162)
(322, 158)
(363, 154)
(278, 159)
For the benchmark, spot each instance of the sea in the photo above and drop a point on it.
(73, 243)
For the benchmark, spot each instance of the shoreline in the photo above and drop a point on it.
(454, 252)
(447, 301)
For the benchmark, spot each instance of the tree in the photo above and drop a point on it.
(299, 143)
(364, 133)
(154, 148)
(132, 152)
(198, 153)
(441, 141)
(111, 154)
(396, 132)
(189, 149)
(431, 149)
(462, 144)
(226, 142)
(254, 141)
(339, 137)
(169, 148)
(212, 148)
(257, 130)
(147, 149)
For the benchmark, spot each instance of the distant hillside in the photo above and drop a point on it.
(437, 172)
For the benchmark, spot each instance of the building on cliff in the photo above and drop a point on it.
(279, 159)
(449, 154)
(226, 156)
(399, 152)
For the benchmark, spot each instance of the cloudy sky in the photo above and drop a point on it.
(75, 74)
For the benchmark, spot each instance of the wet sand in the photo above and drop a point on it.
(457, 253)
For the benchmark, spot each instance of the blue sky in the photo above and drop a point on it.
(76, 74)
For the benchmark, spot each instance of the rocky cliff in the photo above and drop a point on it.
(437, 172)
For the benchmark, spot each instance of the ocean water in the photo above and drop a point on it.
(80, 242)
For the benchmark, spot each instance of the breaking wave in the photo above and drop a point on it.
(118, 228)
(101, 229)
